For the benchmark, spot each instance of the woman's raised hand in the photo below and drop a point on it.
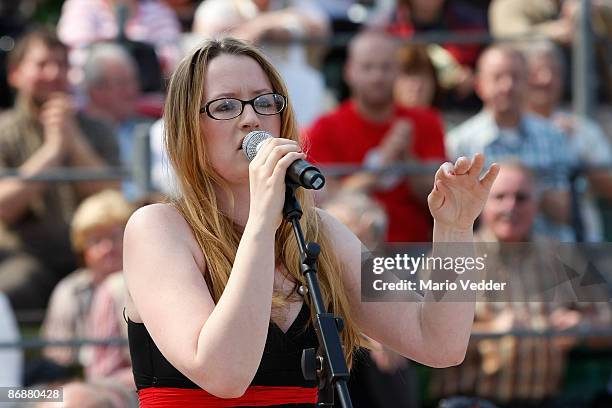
(459, 194)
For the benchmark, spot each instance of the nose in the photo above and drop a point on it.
(249, 119)
(53, 71)
(506, 83)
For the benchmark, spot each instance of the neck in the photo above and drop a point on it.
(508, 119)
(242, 198)
(100, 113)
(27, 104)
(374, 113)
(542, 110)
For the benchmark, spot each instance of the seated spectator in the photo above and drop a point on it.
(259, 21)
(106, 321)
(455, 61)
(11, 359)
(84, 22)
(370, 129)
(40, 133)
(513, 371)
(556, 21)
(380, 377)
(545, 72)
(97, 237)
(551, 19)
(503, 130)
(417, 82)
(110, 79)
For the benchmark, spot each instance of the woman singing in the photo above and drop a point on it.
(215, 318)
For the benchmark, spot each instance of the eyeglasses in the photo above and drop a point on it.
(230, 108)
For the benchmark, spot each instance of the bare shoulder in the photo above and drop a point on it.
(161, 226)
(151, 220)
(156, 216)
(161, 259)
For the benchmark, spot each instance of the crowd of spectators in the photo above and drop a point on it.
(426, 81)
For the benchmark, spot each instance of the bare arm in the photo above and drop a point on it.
(433, 333)
(219, 347)
(507, 18)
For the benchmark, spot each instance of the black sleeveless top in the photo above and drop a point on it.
(280, 363)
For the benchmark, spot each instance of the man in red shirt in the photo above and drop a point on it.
(370, 129)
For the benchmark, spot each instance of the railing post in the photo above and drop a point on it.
(583, 64)
(141, 167)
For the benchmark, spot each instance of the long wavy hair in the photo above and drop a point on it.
(216, 234)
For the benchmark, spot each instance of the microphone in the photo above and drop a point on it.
(300, 172)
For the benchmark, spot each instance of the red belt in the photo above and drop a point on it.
(256, 396)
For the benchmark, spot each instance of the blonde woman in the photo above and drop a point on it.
(214, 315)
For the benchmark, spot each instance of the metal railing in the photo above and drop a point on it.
(582, 332)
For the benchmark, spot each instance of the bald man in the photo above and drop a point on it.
(370, 129)
(502, 130)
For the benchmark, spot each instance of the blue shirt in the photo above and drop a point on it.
(535, 142)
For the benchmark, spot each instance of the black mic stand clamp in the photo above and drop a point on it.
(327, 363)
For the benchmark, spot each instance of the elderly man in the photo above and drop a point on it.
(370, 129)
(111, 84)
(503, 130)
(546, 70)
(41, 132)
(513, 371)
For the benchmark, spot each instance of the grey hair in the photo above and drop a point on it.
(545, 49)
(98, 55)
(511, 50)
(514, 163)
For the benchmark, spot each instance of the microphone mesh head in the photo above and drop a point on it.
(251, 142)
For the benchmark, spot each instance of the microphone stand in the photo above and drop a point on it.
(327, 363)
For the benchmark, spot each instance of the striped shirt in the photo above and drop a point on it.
(535, 142)
(106, 321)
(509, 368)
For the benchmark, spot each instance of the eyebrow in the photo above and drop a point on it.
(234, 94)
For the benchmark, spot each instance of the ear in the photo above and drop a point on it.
(347, 73)
(13, 77)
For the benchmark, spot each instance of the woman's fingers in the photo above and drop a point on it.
(477, 165)
(285, 162)
(490, 176)
(277, 154)
(271, 152)
(462, 165)
(446, 170)
(438, 195)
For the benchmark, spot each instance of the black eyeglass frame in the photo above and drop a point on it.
(206, 109)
